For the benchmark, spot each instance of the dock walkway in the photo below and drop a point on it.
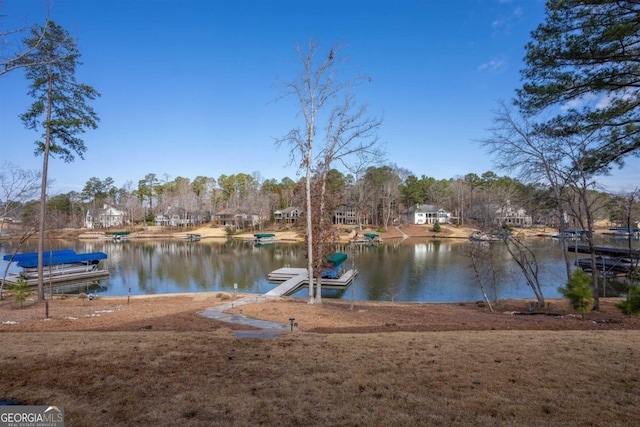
(294, 278)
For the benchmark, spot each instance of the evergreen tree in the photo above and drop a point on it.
(578, 291)
(60, 109)
(584, 59)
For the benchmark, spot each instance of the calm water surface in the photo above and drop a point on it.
(419, 270)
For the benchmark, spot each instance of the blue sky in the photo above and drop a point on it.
(188, 87)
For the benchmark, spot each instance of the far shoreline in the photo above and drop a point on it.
(293, 235)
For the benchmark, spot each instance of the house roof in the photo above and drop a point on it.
(232, 211)
(229, 211)
(288, 210)
(424, 208)
(95, 212)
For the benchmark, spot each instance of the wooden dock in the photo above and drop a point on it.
(294, 278)
(613, 252)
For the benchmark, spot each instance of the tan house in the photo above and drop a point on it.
(234, 217)
(345, 215)
(287, 215)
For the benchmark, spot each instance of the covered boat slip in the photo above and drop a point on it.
(333, 276)
(369, 238)
(606, 265)
(192, 237)
(66, 277)
(65, 256)
(58, 266)
(118, 235)
(264, 237)
(624, 232)
(610, 251)
(609, 260)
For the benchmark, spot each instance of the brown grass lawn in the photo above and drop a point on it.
(157, 363)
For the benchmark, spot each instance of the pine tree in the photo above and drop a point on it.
(584, 58)
(60, 109)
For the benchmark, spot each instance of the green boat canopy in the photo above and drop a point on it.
(371, 235)
(336, 258)
(264, 235)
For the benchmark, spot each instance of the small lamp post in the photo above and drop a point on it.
(235, 289)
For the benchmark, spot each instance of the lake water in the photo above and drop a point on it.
(419, 270)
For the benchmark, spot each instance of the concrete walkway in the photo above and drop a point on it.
(268, 329)
(404, 236)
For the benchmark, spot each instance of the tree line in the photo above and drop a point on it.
(380, 198)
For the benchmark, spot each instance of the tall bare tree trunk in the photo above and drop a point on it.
(309, 215)
(43, 189)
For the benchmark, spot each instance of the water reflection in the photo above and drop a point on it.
(414, 270)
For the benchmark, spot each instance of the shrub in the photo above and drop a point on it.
(632, 303)
(21, 291)
(578, 291)
(229, 231)
(436, 227)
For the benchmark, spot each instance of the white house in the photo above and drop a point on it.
(106, 216)
(509, 215)
(427, 214)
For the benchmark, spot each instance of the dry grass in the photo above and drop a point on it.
(437, 378)
(158, 363)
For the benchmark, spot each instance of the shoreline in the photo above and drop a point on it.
(208, 311)
(345, 233)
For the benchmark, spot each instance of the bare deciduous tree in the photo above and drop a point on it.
(517, 147)
(21, 56)
(565, 163)
(317, 89)
(17, 186)
(526, 260)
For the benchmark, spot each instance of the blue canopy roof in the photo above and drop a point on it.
(65, 256)
(47, 254)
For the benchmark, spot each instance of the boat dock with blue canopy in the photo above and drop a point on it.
(58, 266)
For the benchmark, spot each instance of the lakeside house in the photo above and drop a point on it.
(513, 216)
(235, 217)
(427, 214)
(346, 215)
(104, 217)
(287, 215)
(175, 217)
